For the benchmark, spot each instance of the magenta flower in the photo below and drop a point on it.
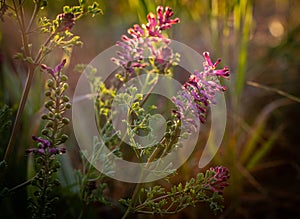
(200, 90)
(209, 66)
(218, 181)
(44, 147)
(145, 42)
(57, 69)
(164, 17)
(160, 22)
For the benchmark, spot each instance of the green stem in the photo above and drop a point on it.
(19, 115)
(17, 121)
(138, 186)
(34, 14)
(30, 74)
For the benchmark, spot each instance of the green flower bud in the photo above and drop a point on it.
(57, 115)
(65, 98)
(49, 124)
(50, 83)
(65, 120)
(49, 103)
(65, 86)
(45, 132)
(64, 78)
(47, 93)
(58, 91)
(50, 114)
(68, 105)
(64, 138)
(44, 116)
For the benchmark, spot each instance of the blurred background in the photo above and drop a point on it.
(258, 40)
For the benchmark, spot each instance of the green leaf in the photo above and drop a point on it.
(18, 56)
(82, 2)
(67, 9)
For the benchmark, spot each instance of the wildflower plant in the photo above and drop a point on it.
(57, 34)
(48, 145)
(126, 118)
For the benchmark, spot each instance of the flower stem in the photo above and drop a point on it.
(19, 114)
(30, 74)
(20, 18)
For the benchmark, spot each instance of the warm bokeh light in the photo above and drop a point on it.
(276, 28)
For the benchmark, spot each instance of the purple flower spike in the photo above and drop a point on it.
(45, 147)
(57, 150)
(45, 143)
(60, 66)
(57, 68)
(35, 150)
(202, 87)
(48, 69)
(42, 147)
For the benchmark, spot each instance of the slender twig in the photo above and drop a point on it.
(280, 92)
(34, 14)
(21, 185)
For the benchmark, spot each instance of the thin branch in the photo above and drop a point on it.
(280, 92)
(22, 184)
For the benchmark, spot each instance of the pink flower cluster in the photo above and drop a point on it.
(219, 180)
(156, 23)
(147, 41)
(200, 90)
